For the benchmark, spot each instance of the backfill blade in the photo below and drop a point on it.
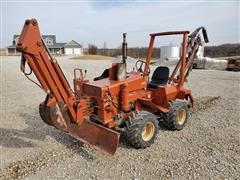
(89, 132)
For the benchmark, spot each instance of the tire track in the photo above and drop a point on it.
(205, 103)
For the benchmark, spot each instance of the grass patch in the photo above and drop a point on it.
(93, 57)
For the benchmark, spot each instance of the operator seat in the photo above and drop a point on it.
(105, 74)
(159, 77)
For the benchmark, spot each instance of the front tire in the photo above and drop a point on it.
(177, 117)
(142, 130)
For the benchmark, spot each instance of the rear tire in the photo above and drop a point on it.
(177, 116)
(141, 131)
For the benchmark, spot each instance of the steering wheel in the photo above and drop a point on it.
(139, 67)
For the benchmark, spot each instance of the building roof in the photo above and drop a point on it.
(43, 36)
(15, 36)
(56, 45)
(72, 44)
(50, 36)
(12, 46)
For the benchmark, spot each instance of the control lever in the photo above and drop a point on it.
(82, 74)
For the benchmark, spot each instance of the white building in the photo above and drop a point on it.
(54, 47)
(170, 52)
(73, 48)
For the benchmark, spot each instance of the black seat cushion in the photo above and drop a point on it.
(160, 77)
(105, 74)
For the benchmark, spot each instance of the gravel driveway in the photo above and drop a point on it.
(207, 148)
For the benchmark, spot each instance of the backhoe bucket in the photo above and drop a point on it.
(89, 132)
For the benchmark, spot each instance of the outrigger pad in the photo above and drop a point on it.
(89, 132)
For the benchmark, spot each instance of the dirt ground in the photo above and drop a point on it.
(207, 148)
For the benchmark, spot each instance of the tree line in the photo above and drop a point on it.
(223, 50)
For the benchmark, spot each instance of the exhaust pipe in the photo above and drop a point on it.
(124, 48)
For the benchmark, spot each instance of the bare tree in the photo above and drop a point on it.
(92, 49)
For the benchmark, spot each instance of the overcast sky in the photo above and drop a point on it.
(96, 22)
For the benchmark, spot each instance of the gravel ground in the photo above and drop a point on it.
(207, 148)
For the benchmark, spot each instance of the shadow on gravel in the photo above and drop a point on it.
(200, 105)
(38, 130)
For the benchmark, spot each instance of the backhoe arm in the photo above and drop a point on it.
(46, 69)
(62, 108)
(193, 43)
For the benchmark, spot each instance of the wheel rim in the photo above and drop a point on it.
(148, 131)
(181, 118)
